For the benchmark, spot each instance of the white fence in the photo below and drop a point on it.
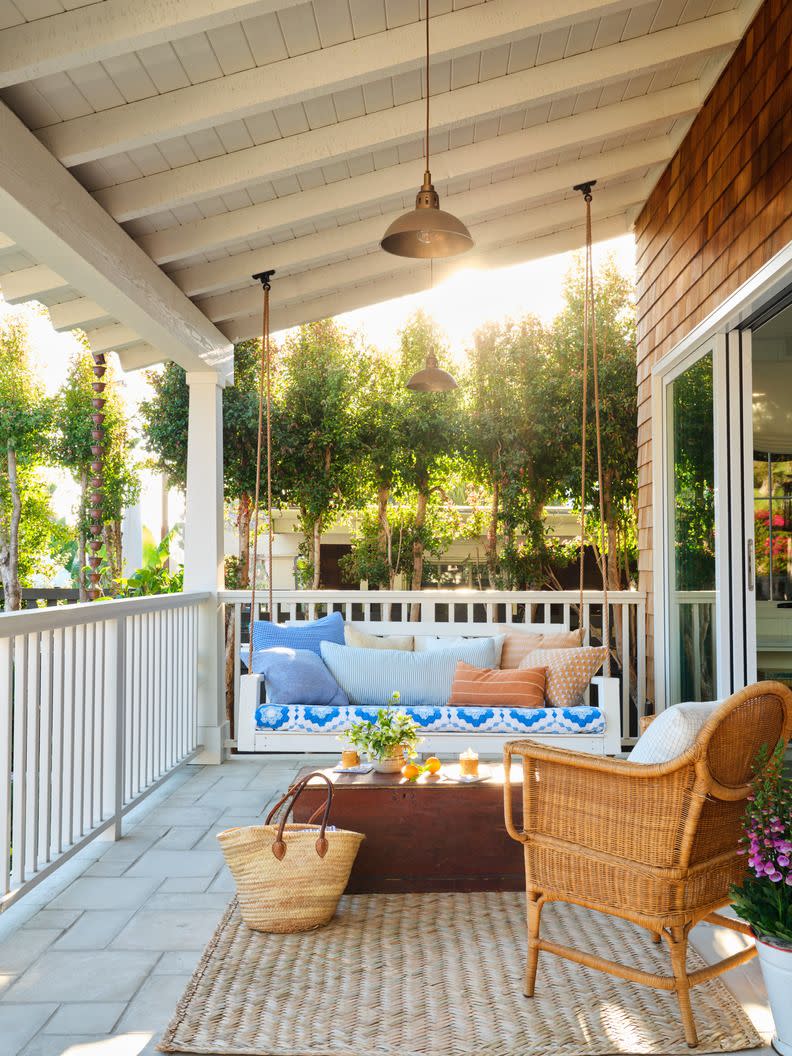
(461, 607)
(97, 706)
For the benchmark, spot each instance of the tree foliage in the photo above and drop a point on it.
(25, 421)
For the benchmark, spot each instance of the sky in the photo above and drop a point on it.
(460, 305)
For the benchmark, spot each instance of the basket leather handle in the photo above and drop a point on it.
(291, 797)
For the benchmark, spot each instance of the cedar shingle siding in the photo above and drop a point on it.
(722, 209)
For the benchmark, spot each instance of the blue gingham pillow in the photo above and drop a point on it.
(297, 676)
(310, 635)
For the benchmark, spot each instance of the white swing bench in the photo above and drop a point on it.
(594, 728)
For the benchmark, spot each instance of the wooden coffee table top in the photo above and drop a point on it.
(425, 781)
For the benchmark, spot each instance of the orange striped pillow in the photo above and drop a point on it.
(489, 687)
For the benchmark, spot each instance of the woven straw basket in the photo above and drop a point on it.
(290, 877)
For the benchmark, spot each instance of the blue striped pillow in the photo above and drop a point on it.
(369, 676)
(309, 636)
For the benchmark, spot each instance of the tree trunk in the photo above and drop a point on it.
(316, 547)
(418, 553)
(81, 538)
(244, 514)
(492, 535)
(383, 494)
(9, 551)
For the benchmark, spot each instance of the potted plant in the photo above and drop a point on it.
(764, 899)
(388, 740)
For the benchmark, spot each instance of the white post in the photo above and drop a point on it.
(203, 553)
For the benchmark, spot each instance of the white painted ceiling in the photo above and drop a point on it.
(230, 136)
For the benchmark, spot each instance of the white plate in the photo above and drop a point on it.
(452, 774)
(363, 768)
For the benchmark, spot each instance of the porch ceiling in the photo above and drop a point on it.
(228, 136)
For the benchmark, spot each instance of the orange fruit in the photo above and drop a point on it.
(433, 764)
(411, 771)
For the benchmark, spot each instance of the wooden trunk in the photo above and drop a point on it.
(426, 836)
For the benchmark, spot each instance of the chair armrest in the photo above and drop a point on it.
(249, 700)
(609, 806)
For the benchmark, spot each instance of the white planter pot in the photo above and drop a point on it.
(776, 964)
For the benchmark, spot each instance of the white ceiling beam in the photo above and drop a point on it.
(308, 76)
(308, 286)
(111, 338)
(403, 284)
(6, 243)
(137, 357)
(115, 27)
(76, 314)
(52, 217)
(400, 124)
(213, 232)
(26, 284)
(311, 251)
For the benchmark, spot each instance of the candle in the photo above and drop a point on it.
(349, 758)
(468, 763)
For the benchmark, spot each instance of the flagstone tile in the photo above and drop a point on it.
(167, 863)
(95, 929)
(20, 950)
(195, 816)
(52, 918)
(85, 1017)
(171, 929)
(154, 1004)
(107, 975)
(105, 892)
(19, 1023)
(132, 1044)
(183, 885)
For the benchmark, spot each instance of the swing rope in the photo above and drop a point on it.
(264, 408)
(590, 337)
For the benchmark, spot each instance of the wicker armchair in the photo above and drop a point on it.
(656, 845)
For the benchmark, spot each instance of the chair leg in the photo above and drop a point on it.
(677, 944)
(535, 903)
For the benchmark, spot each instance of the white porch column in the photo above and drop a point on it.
(203, 552)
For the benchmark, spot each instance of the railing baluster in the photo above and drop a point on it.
(32, 705)
(6, 758)
(45, 745)
(19, 788)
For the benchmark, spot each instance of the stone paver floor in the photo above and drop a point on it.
(93, 960)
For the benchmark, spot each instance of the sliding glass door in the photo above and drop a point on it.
(691, 536)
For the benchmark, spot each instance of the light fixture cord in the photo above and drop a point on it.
(426, 141)
(264, 384)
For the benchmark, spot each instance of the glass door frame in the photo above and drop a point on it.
(666, 637)
(726, 329)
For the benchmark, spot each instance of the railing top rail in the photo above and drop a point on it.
(460, 595)
(27, 621)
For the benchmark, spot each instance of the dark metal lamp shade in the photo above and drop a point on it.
(431, 378)
(427, 231)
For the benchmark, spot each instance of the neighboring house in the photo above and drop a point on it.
(462, 564)
(715, 383)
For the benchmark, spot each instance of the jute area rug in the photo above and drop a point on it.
(438, 975)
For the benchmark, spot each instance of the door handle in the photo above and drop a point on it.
(749, 547)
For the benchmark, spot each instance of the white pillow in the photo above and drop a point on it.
(363, 640)
(673, 731)
(428, 643)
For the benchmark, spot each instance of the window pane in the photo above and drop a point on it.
(692, 533)
(762, 548)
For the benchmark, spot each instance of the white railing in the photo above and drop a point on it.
(460, 607)
(97, 707)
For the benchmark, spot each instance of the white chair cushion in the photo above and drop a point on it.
(673, 732)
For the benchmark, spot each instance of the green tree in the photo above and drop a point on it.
(72, 450)
(615, 322)
(511, 393)
(317, 433)
(25, 417)
(430, 430)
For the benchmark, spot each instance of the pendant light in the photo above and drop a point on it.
(432, 378)
(427, 230)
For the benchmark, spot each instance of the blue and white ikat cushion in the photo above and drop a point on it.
(298, 718)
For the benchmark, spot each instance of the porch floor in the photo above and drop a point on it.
(93, 960)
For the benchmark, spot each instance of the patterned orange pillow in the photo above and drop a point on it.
(520, 643)
(569, 672)
(488, 687)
